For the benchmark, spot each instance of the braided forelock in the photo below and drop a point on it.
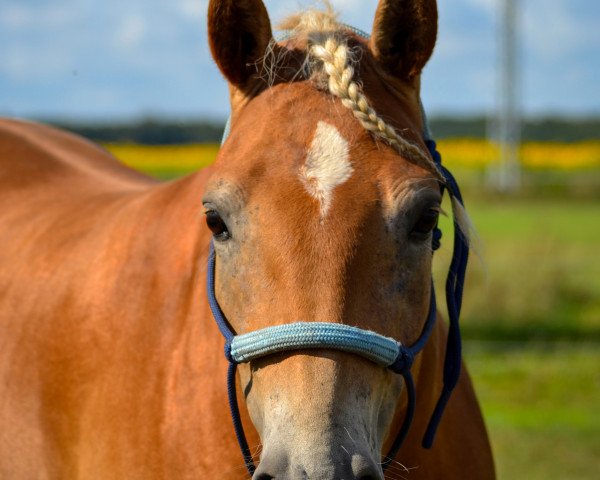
(327, 42)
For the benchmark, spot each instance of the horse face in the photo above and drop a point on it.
(313, 220)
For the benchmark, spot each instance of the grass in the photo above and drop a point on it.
(538, 275)
(540, 402)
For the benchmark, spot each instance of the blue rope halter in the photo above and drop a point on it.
(381, 350)
(377, 348)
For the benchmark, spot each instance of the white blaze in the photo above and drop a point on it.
(327, 165)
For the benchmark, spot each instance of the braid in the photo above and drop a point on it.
(334, 53)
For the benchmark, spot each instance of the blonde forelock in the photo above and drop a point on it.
(331, 61)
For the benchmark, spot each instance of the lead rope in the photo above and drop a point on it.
(231, 384)
(454, 291)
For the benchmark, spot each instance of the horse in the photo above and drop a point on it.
(321, 208)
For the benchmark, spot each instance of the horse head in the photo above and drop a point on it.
(322, 206)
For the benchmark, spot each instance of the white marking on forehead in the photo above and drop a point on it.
(327, 164)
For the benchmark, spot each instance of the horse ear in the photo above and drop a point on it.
(239, 32)
(404, 34)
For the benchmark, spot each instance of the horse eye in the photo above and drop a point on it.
(426, 223)
(216, 225)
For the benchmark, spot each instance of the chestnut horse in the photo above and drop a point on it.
(321, 207)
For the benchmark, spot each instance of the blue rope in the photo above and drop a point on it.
(235, 353)
(402, 365)
(302, 335)
(237, 419)
(408, 418)
(454, 291)
(218, 315)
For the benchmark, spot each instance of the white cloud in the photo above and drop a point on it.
(353, 5)
(279, 9)
(25, 63)
(13, 16)
(130, 33)
(16, 16)
(552, 30)
(193, 10)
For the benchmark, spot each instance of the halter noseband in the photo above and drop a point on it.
(377, 348)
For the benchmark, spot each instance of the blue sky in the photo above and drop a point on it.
(105, 59)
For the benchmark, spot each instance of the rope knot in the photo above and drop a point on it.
(403, 362)
(228, 355)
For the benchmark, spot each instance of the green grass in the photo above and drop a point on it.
(538, 271)
(540, 402)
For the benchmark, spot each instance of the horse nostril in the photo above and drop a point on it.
(272, 466)
(369, 476)
(363, 468)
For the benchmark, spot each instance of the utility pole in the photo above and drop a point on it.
(506, 176)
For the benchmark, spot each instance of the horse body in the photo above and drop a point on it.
(110, 363)
(102, 325)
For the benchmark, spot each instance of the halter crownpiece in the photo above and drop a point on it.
(377, 348)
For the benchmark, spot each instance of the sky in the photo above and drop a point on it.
(123, 59)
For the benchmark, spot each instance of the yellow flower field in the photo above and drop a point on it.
(476, 153)
(174, 160)
(165, 160)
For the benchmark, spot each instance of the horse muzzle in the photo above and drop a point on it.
(279, 464)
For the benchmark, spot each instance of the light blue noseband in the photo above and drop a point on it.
(379, 349)
(300, 335)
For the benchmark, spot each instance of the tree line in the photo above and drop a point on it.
(155, 131)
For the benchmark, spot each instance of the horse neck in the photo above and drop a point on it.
(151, 248)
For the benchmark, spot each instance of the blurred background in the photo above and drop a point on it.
(513, 100)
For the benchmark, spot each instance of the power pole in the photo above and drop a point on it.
(506, 176)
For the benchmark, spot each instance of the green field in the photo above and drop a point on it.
(531, 319)
(540, 402)
(537, 272)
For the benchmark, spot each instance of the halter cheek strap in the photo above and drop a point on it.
(454, 291)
